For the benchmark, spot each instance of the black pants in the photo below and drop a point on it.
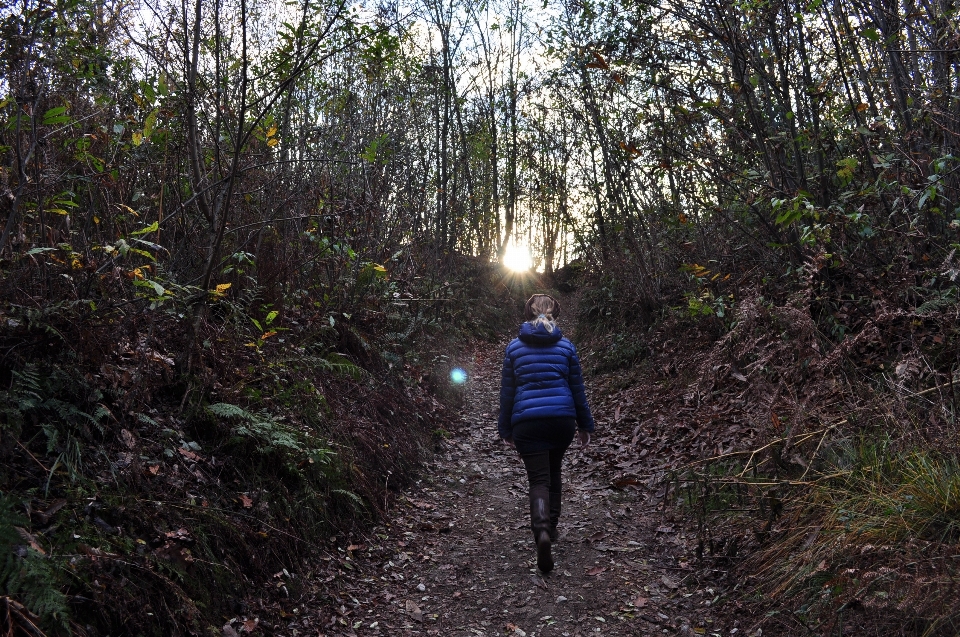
(543, 469)
(541, 444)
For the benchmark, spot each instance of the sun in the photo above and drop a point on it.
(517, 258)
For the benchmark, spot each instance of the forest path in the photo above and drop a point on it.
(457, 558)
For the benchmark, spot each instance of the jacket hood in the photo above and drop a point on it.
(538, 334)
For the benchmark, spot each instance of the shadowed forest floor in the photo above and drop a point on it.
(457, 558)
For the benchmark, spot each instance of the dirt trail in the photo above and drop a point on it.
(457, 557)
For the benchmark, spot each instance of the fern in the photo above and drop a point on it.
(340, 364)
(354, 499)
(226, 410)
(22, 398)
(944, 301)
(26, 573)
(269, 433)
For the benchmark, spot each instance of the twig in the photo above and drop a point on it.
(806, 437)
(722, 456)
(820, 444)
(33, 456)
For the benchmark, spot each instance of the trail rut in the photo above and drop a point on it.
(456, 556)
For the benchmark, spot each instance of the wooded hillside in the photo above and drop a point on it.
(242, 241)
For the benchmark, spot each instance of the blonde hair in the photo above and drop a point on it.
(542, 309)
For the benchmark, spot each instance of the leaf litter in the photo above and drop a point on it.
(455, 555)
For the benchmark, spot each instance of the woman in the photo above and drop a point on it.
(542, 406)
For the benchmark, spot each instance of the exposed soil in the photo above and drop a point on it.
(457, 556)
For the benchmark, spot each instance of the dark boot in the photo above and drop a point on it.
(555, 499)
(540, 524)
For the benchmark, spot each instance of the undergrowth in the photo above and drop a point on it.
(823, 407)
(161, 461)
(26, 572)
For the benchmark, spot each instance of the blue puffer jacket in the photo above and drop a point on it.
(541, 379)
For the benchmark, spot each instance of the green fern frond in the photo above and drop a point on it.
(226, 410)
(356, 500)
(27, 574)
(337, 363)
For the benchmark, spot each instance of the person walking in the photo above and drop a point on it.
(543, 405)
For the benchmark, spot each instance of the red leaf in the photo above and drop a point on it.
(600, 62)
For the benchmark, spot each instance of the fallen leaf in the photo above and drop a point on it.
(640, 601)
(31, 539)
(596, 570)
(669, 583)
(128, 439)
(189, 455)
(414, 611)
(179, 534)
(250, 625)
(228, 631)
(44, 516)
(246, 501)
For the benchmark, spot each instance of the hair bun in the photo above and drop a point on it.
(546, 305)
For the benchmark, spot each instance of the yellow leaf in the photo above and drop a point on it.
(137, 138)
(96, 219)
(272, 131)
(273, 141)
(59, 211)
(267, 335)
(223, 287)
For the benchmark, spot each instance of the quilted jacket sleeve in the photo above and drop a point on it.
(584, 417)
(508, 388)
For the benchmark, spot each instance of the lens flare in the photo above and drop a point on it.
(458, 376)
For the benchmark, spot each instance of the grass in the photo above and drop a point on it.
(884, 496)
(869, 526)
